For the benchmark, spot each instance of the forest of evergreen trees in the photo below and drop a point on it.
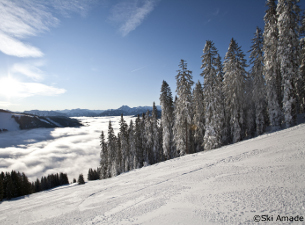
(233, 103)
(16, 184)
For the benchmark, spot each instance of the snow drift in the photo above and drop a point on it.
(231, 185)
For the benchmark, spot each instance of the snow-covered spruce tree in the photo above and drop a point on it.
(118, 156)
(271, 66)
(288, 44)
(234, 90)
(213, 97)
(301, 84)
(138, 144)
(155, 135)
(160, 137)
(222, 122)
(183, 109)
(124, 145)
(104, 158)
(257, 76)
(249, 108)
(166, 102)
(111, 147)
(132, 146)
(144, 141)
(198, 127)
(148, 140)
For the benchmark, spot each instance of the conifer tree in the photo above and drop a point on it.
(301, 83)
(138, 144)
(10, 189)
(124, 144)
(144, 140)
(118, 156)
(81, 179)
(155, 135)
(213, 96)
(26, 185)
(288, 52)
(198, 106)
(234, 89)
(104, 158)
(111, 147)
(271, 66)
(222, 115)
(249, 108)
(257, 76)
(160, 137)
(132, 146)
(183, 109)
(90, 174)
(166, 102)
(148, 140)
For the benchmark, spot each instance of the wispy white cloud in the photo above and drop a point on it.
(31, 89)
(75, 6)
(30, 70)
(12, 88)
(20, 19)
(211, 16)
(135, 70)
(11, 46)
(216, 12)
(131, 13)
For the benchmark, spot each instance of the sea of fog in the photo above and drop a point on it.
(39, 152)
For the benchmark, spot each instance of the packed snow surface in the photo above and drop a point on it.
(230, 185)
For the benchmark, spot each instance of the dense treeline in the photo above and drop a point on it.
(49, 182)
(232, 105)
(93, 174)
(16, 184)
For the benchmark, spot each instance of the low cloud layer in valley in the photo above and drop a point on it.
(39, 152)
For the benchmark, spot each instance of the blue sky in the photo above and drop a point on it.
(101, 54)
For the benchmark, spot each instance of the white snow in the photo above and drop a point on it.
(43, 120)
(230, 185)
(52, 121)
(7, 122)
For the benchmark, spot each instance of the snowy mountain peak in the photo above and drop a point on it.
(124, 108)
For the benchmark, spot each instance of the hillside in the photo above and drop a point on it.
(230, 185)
(10, 121)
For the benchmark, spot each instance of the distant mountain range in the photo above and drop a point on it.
(125, 110)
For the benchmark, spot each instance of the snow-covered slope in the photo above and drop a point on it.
(230, 185)
(7, 122)
(10, 121)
